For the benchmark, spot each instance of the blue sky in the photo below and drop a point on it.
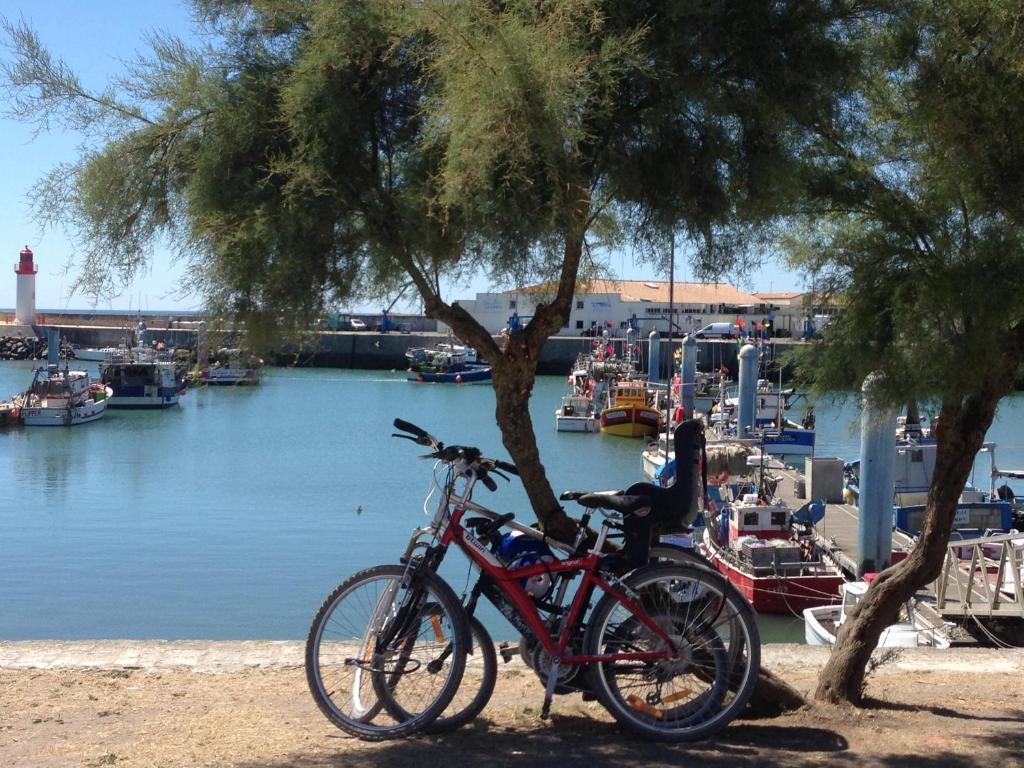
(95, 38)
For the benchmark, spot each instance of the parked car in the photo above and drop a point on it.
(357, 324)
(718, 331)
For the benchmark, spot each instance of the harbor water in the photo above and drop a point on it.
(233, 515)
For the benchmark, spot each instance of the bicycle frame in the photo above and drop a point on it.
(447, 522)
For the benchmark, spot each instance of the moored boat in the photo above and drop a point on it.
(576, 413)
(63, 398)
(445, 364)
(628, 412)
(93, 354)
(140, 378)
(822, 623)
(232, 367)
(229, 375)
(772, 555)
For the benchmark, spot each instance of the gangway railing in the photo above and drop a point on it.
(983, 577)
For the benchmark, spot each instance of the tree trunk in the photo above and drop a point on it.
(514, 369)
(961, 429)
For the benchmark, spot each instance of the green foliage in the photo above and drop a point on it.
(317, 151)
(921, 242)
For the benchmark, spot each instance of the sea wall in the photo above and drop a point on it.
(372, 350)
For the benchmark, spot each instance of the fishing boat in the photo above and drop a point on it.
(140, 377)
(577, 412)
(822, 623)
(445, 364)
(772, 429)
(914, 466)
(63, 398)
(628, 412)
(772, 554)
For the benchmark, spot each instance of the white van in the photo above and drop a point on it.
(718, 331)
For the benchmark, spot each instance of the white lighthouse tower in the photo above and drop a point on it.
(25, 312)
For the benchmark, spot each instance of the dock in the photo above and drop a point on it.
(981, 578)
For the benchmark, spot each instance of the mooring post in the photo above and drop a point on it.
(52, 346)
(654, 356)
(688, 376)
(877, 478)
(748, 391)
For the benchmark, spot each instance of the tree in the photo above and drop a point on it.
(318, 150)
(924, 243)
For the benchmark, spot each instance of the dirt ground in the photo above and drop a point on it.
(267, 718)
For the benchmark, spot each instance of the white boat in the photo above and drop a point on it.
(63, 398)
(94, 354)
(576, 414)
(140, 377)
(822, 623)
(229, 375)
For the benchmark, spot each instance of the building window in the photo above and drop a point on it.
(579, 304)
(511, 303)
(579, 324)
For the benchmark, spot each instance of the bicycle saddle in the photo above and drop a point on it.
(615, 500)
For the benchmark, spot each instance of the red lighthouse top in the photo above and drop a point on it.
(25, 266)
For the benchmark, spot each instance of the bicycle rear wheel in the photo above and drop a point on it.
(373, 649)
(477, 682)
(706, 684)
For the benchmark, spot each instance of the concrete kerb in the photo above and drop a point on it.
(213, 657)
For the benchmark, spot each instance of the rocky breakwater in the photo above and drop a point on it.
(15, 348)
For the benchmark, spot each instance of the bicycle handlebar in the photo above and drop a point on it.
(481, 464)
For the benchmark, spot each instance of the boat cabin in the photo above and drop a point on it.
(629, 392)
(748, 518)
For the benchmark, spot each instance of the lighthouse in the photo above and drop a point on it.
(25, 312)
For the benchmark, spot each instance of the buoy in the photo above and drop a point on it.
(419, 378)
(458, 378)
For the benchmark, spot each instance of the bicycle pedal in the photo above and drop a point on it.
(508, 652)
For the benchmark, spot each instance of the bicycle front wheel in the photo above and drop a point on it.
(375, 647)
(705, 683)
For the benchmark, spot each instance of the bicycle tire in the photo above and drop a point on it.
(383, 600)
(485, 667)
(673, 553)
(699, 610)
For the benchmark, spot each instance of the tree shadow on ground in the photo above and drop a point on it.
(575, 741)
(899, 706)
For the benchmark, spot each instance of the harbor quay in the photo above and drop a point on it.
(371, 350)
(113, 702)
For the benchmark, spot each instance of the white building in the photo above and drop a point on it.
(610, 304)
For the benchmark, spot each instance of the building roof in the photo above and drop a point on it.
(778, 295)
(656, 291)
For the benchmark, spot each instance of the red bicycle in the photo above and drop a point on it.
(671, 650)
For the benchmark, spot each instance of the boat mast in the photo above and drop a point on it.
(671, 352)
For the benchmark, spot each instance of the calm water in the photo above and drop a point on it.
(233, 515)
